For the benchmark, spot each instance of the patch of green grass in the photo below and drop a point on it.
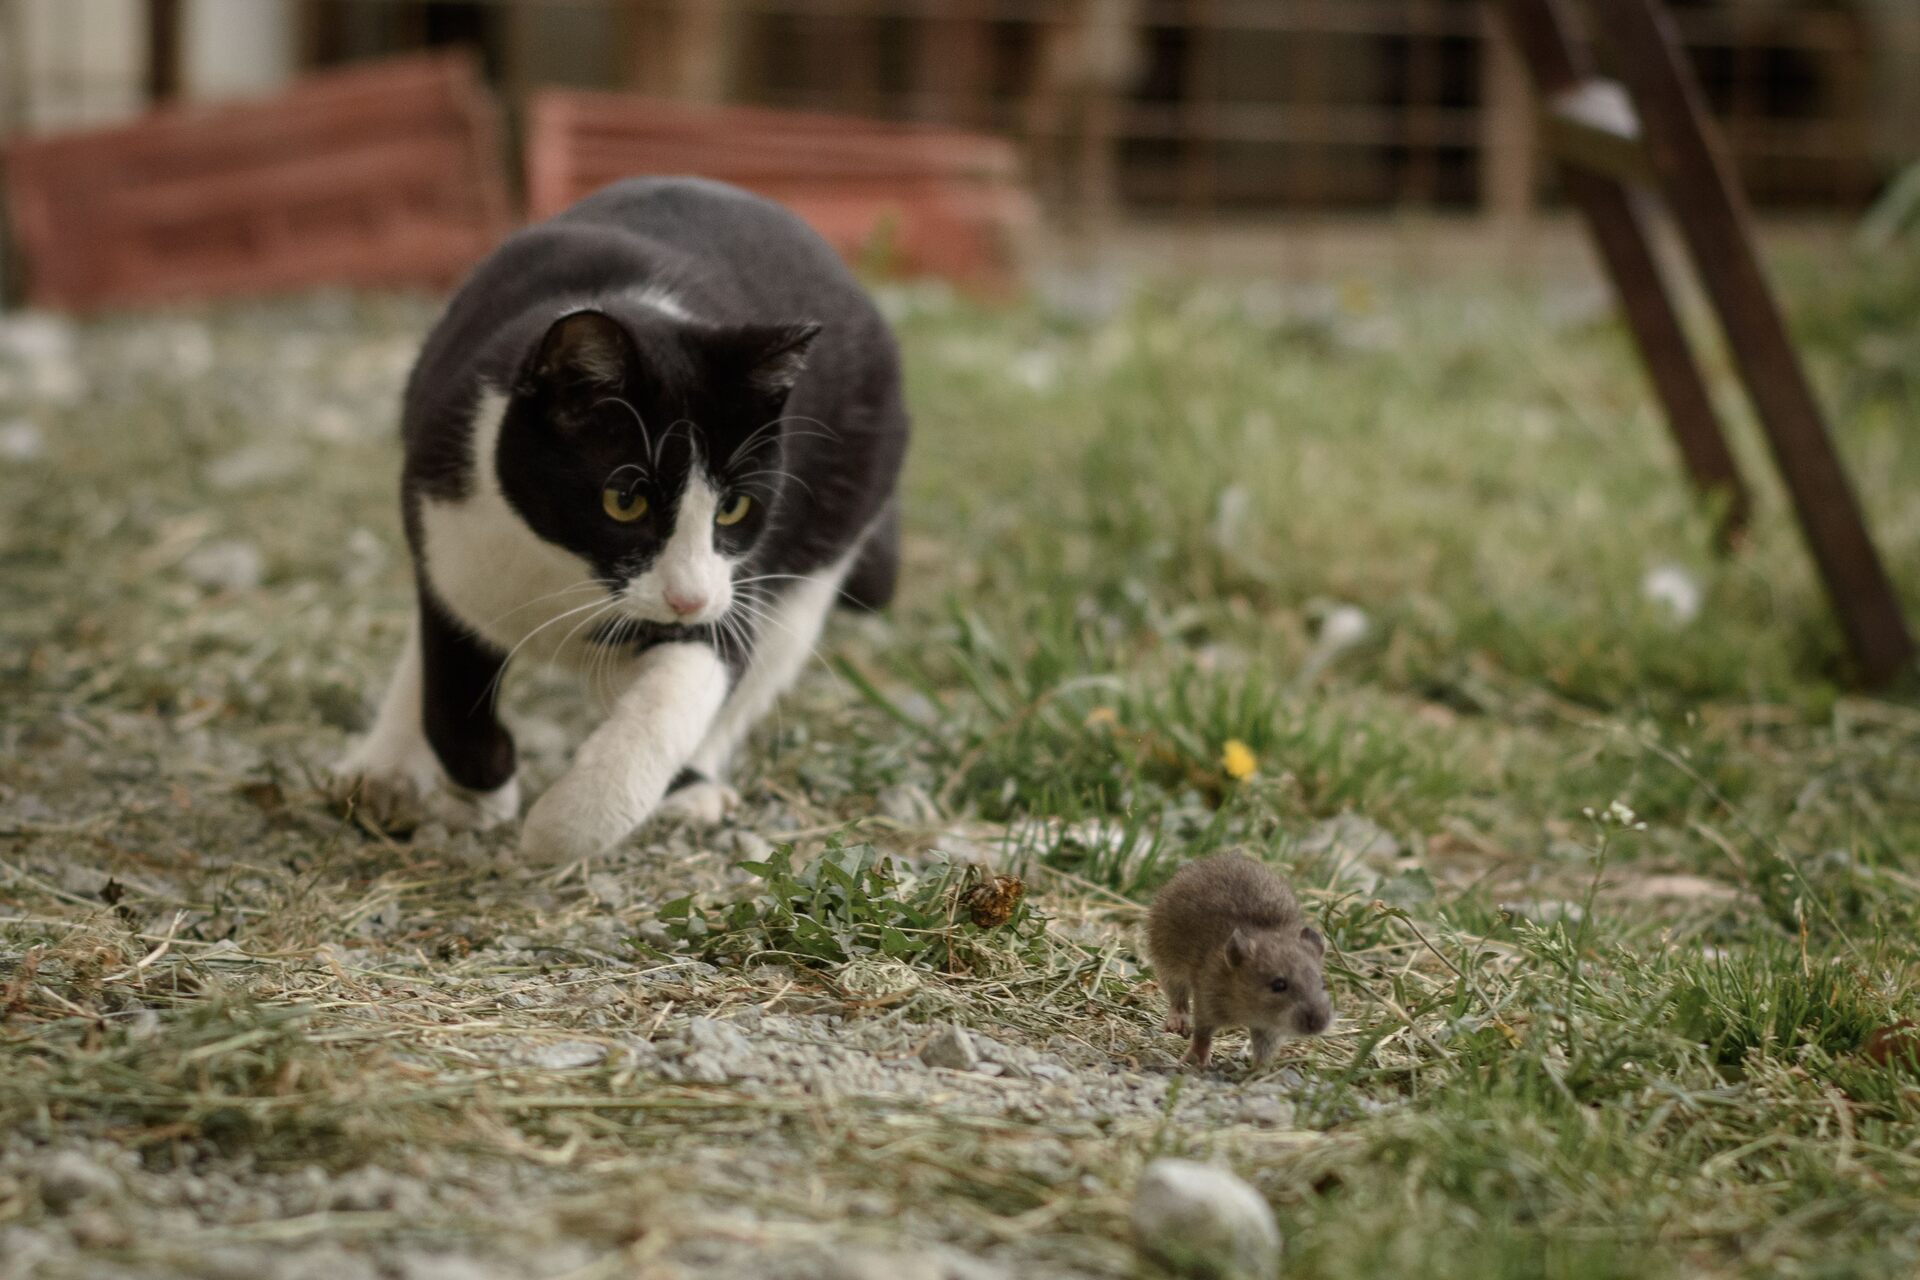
(1566, 1046)
(851, 902)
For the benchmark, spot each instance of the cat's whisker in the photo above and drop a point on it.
(825, 433)
(791, 479)
(492, 689)
(693, 438)
(646, 437)
(609, 607)
(587, 584)
(601, 662)
(765, 614)
(840, 592)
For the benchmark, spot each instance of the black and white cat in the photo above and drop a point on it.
(655, 437)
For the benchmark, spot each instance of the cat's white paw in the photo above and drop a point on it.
(701, 804)
(575, 819)
(402, 786)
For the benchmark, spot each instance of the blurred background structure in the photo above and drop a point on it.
(1166, 110)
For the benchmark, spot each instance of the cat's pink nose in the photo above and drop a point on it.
(684, 605)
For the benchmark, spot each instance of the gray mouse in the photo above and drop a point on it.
(1232, 949)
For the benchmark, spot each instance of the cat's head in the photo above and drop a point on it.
(651, 447)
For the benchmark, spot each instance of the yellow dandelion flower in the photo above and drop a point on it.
(1238, 760)
(1102, 718)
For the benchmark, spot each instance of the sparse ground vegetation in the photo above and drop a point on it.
(1423, 553)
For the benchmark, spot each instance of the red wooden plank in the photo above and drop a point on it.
(946, 203)
(381, 174)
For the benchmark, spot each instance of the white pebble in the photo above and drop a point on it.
(1674, 589)
(1344, 628)
(226, 566)
(1203, 1220)
(69, 1179)
(21, 441)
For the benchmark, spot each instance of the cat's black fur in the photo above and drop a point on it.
(777, 332)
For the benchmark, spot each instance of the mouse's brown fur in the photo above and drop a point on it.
(1232, 949)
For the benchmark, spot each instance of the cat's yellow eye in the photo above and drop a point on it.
(623, 506)
(734, 512)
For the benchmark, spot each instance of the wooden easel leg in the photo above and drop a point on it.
(1694, 177)
(1621, 235)
(1540, 31)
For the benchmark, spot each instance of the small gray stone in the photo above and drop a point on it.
(709, 1035)
(443, 1266)
(324, 1262)
(25, 1249)
(907, 804)
(610, 889)
(951, 1047)
(1203, 1220)
(370, 1188)
(1353, 838)
(226, 566)
(1543, 911)
(713, 1052)
(21, 441)
(747, 845)
(867, 1264)
(254, 465)
(69, 1179)
(568, 1055)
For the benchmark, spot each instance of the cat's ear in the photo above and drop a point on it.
(770, 358)
(582, 351)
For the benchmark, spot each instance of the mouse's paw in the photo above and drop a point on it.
(1178, 1023)
(701, 804)
(1200, 1052)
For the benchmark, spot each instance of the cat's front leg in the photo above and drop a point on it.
(623, 769)
(436, 751)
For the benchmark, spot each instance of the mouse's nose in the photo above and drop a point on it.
(1313, 1021)
(684, 605)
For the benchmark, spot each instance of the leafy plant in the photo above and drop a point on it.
(853, 901)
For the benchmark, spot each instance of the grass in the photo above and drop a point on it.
(1572, 1042)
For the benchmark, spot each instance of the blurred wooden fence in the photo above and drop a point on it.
(1159, 106)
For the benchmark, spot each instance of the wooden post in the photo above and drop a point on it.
(1694, 175)
(1539, 29)
(1652, 131)
(1510, 138)
(163, 50)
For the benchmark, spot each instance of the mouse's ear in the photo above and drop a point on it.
(1237, 949)
(1311, 936)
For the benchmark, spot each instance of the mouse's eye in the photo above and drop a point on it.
(622, 505)
(1278, 986)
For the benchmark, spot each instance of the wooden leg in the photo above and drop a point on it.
(1540, 31)
(1696, 180)
(1620, 233)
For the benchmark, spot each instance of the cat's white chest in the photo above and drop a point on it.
(518, 592)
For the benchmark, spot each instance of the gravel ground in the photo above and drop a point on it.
(1399, 592)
